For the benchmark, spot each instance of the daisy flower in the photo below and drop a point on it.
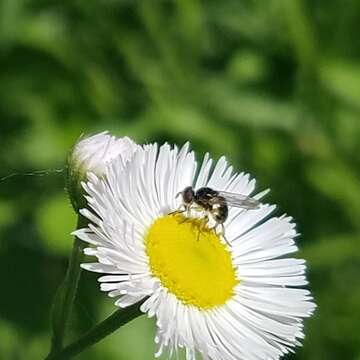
(218, 302)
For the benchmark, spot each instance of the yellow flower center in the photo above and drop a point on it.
(195, 267)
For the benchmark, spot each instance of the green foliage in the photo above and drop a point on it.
(55, 233)
(274, 85)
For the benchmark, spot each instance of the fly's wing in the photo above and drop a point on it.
(240, 201)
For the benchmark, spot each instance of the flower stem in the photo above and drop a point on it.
(66, 293)
(100, 331)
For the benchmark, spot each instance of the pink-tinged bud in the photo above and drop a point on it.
(92, 154)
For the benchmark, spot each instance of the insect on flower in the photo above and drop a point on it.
(214, 204)
(245, 301)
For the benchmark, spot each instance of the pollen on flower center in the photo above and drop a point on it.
(197, 270)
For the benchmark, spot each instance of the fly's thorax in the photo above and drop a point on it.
(203, 197)
(205, 192)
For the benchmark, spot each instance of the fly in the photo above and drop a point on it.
(214, 203)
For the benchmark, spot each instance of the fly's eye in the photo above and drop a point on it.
(188, 195)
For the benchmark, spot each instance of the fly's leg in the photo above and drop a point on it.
(201, 226)
(222, 233)
(180, 210)
(187, 209)
(184, 220)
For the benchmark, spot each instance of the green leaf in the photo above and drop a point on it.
(342, 78)
(340, 183)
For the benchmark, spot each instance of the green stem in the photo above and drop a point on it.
(100, 331)
(66, 293)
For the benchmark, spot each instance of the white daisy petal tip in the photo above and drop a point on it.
(89, 157)
(240, 301)
(76, 232)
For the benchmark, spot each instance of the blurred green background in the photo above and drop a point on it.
(274, 85)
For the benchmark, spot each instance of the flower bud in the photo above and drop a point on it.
(92, 154)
